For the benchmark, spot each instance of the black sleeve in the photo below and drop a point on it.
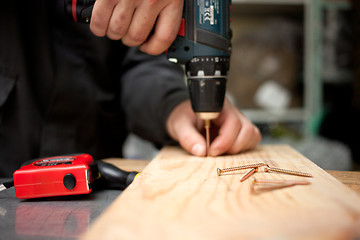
(150, 88)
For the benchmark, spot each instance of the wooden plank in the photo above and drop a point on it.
(128, 164)
(178, 196)
(349, 178)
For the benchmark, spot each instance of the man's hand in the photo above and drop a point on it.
(235, 132)
(132, 21)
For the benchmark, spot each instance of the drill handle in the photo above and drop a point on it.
(112, 177)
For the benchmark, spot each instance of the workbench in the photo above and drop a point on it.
(69, 217)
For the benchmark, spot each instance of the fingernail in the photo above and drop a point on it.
(198, 149)
(214, 152)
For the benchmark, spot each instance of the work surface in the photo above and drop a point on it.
(67, 218)
(50, 218)
(178, 196)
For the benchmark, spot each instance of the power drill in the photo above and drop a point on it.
(203, 45)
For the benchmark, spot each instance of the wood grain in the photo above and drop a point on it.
(350, 179)
(178, 196)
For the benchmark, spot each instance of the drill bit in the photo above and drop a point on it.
(207, 129)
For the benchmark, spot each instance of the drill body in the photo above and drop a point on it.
(203, 45)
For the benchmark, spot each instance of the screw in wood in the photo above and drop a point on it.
(278, 181)
(207, 130)
(263, 185)
(286, 171)
(232, 169)
(248, 174)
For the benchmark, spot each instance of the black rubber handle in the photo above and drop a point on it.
(112, 177)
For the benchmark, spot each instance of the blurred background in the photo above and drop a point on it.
(295, 72)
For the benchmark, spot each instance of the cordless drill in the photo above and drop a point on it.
(203, 45)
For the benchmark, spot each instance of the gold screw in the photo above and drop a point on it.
(207, 130)
(263, 185)
(248, 174)
(286, 171)
(232, 169)
(276, 181)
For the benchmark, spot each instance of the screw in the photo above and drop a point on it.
(286, 171)
(276, 181)
(207, 130)
(262, 185)
(232, 169)
(248, 174)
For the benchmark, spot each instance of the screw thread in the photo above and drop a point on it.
(286, 171)
(231, 169)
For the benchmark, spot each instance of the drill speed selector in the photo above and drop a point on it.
(207, 66)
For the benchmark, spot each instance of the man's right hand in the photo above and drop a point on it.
(132, 21)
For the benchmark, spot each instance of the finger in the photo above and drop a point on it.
(141, 24)
(182, 125)
(253, 131)
(257, 138)
(191, 140)
(248, 138)
(120, 19)
(230, 126)
(100, 16)
(166, 30)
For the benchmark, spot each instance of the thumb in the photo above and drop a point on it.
(191, 140)
(182, 127)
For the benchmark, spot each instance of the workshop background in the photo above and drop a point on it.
(295, 72)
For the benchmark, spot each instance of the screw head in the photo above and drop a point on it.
(219, 171)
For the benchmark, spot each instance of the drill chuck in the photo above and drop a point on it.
(207, 96)
(206, 78)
